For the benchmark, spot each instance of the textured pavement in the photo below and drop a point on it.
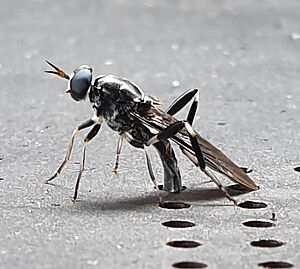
(244, 58)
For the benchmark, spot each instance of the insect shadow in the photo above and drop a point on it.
(189, 195)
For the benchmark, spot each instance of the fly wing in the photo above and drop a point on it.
(213, 157)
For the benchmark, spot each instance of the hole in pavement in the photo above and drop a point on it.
(238, 187)
(178, 224)
(221, 123)
(273, 217)
(189, 265)
(161, 187)
(297, 169)
(252, 205)
(174, 205)
(247, 170)
(275, 264)
(183, 244)
(258, 224)
(267, 243)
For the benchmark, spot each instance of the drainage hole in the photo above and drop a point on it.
(178, 224)
(161, 187)
(273, 217)
(174, 205)
(275, 264)
(238, 188)
(297, 169)
(183, 244)
(252, 205)
(258, 224)
(267, 243)
(247, 170)
(189, 265)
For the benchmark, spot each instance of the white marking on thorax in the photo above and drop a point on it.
(124, 85)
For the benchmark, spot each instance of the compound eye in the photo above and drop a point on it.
(80, 82)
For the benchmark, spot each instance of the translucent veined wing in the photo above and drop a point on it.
(154, 118)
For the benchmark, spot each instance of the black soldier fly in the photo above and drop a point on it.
(137, 118)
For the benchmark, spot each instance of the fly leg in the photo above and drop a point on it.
(161, 202)
(87, 139)
(182, 100)
(119, 147)
(172, 177)
(137, 144)
(175, 128)
(83, 125)
(201, 162)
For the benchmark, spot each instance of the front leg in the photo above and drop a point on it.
(82, 126)
(87, 139)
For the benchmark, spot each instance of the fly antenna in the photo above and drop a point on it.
(58, 71)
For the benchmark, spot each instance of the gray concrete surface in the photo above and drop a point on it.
(244, 56)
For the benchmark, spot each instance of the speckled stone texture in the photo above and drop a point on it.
(244, 58)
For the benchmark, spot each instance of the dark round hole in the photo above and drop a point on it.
(258, 224)
(273, 218)
(275, 264)
(178, 224)
(221, 123)
(174, 205)
(183, 244)
(247, 170)
(238, 187)
(252, 205)
(189, 265)
(267, 243)
(161, 187)
(297, 169)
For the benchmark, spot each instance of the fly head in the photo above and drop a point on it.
(80, 80)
